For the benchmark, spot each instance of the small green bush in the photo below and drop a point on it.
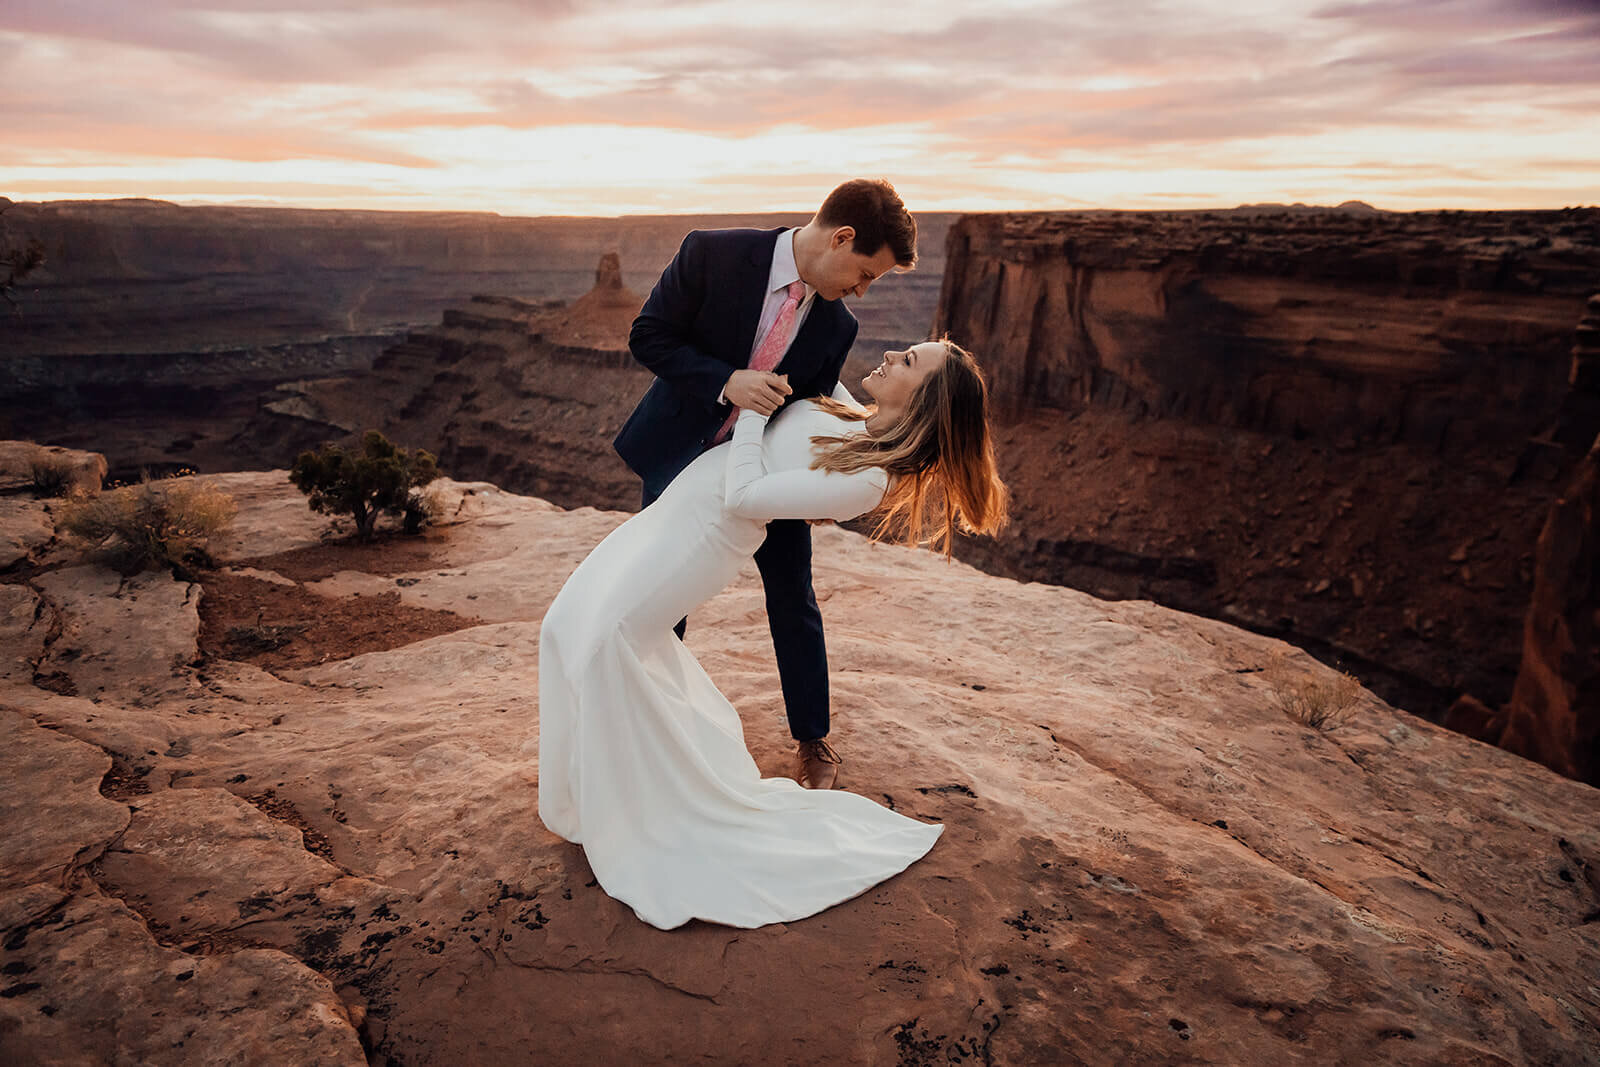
(380, 478)
(156, 523)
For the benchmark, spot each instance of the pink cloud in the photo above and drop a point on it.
(1112, 83)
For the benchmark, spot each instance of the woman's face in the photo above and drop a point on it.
(898, 376)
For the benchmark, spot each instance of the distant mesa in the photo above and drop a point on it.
(1352, 207)
(601, 317)
(608, 278)
(121, 202)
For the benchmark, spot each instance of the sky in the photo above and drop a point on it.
(572, 107)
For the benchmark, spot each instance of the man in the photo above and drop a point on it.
(755, 319)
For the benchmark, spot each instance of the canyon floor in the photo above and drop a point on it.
(285, 813)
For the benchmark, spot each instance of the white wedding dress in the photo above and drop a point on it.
(642, 761)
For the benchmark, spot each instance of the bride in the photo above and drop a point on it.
(642, 761)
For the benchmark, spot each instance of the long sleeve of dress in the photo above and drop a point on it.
(752, 493)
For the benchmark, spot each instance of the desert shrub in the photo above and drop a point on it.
(53, 476)
(379, 478)
(156, 523)
(1318, 701)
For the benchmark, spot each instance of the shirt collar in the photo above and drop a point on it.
(784, 272)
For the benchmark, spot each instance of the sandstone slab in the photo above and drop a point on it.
(93, 959)
(184, 845)
(48, 832)
(75, 469)
(1145, 860)
(273, 516)
(25, 528)
(130, 735)
(505, 553)
(22, 632)
(120, 636)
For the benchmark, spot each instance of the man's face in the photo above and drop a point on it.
(842, 271)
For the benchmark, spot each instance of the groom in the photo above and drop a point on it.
(754, 319)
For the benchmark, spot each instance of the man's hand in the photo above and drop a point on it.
(757, 390)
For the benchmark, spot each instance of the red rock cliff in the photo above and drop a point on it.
(1437, 327)
(1554, 713)
(1343, 429)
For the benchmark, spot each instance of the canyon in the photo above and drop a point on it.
(280, 806)
(152, 330)
(148, 278)
(1342, 428)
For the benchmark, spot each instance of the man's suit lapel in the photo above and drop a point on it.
(803, 358)
(751, 286)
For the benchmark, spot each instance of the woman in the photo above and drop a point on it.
(641, 760)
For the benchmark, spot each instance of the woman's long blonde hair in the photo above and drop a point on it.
(938, 454)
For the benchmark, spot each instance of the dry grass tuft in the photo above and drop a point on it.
(1308, 695)
(155, 523)
(53, 476)
(424, 507)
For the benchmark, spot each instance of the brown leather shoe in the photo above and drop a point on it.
(819, 764)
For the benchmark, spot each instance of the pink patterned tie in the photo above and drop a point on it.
(771, 349)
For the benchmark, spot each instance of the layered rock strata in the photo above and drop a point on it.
(1145, 859)
(1332, 426)
(1436, 328)
(154, 332)
(529, 394)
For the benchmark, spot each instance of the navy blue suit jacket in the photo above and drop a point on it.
(697, 328)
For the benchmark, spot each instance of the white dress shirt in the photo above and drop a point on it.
(784, 273)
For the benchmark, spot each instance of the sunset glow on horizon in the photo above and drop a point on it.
(563, 107)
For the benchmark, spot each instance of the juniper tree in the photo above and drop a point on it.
(378, 478)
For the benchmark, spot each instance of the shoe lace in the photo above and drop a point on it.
(819, 749)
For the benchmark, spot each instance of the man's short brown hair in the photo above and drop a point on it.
(879, 217)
